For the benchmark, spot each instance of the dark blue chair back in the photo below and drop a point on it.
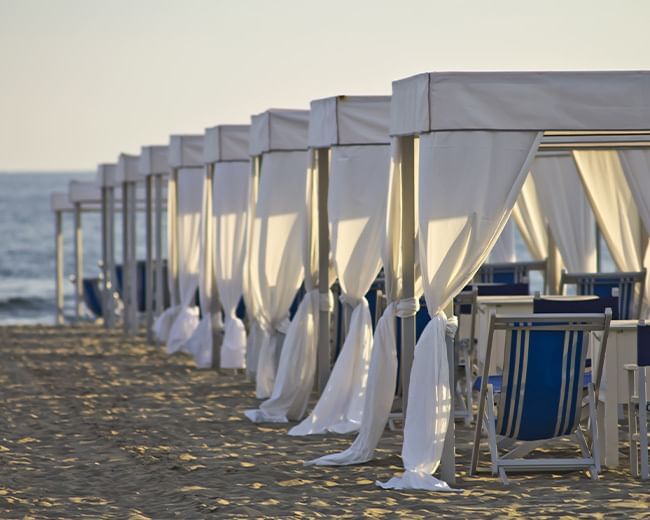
(596, 305)
(92, 295)
(119, 279)
(643, 346)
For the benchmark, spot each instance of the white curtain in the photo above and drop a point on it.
(297, 366)
(563, 202)
(358, 187)
(230, 189)
(504, 249)
(469, 182)
(530, 220)
(188, 222)
(165, 320)
(382, 372)
(276, 256)
(614, 206)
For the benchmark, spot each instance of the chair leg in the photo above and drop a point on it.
(595, 438)
(643, 424)
(632, 425)
(468, 388)
(492, 434)
(478, 430)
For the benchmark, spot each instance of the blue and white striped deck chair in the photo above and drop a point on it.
(542, 393)
(510, 272)
(622, 284)
(465, 304)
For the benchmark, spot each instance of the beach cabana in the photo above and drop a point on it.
(223, 248)
(154, 168)
(278, 147)
(127, 175)
(59, 204)
(478, 135)
(350, 136)
(184, 204)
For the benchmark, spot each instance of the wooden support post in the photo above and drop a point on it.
(78, 263)
(149, 257)
(126, 273)
(158, 222)
(323, 358)
(58, 246)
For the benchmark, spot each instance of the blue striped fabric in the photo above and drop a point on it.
(542, 384)
(92, 295)
(603, 287)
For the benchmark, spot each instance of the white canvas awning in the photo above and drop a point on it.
(277, 130)
(521, 101)
(84, 192)
(59, 201)
(154, 160)
(106, 175)
(185, 151)
(349, 120)
(128, 168)
(225, 143)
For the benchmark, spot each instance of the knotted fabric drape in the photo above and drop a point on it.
(563, 202)
(297, 366)
(614, 207)
(382, 372)
(469, 182)
(276, 256)
(358, 188)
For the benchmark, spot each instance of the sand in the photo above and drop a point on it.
(95, 425)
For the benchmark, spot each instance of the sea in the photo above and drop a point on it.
(27, 276)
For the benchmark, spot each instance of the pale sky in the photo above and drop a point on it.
(83, 80)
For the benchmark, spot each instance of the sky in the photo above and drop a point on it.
(84, 80)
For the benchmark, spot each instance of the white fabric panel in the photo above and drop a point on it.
(563, 202)
(636, 166)
(530, 220)
(185, 151)
(276, 258)
(614, 207)
(188, 222)
(226, 143)
(349, 120)
(504, 248)
(382, 372)
(59, 202)
(615, 100)
(106, 175)
(278, 129)
(297, 365)
(128, 168)
(358, 188)
(84, 191)
(230, 207)
(153, 160)
(469, 182)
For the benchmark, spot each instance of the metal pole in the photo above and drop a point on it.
(126, 275)
(133, 264)
(407, 145)
(78, 264)
(109, 282)
(58, 259)
(323, 269)
(160, 284)
(149, 257)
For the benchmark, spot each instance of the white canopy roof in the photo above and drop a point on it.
(128, 168)
(154, 160)
(60, 202)
(84, 192)
(349, 120)
(521, 101)
(185, 151)
(278, 129)
(226, 143)
(106, 174)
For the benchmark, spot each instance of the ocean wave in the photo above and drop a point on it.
(21, 304)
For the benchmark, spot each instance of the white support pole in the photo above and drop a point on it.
(323, 359)
(126, 274)
(407, 146)
(109, 282)
(160, 283)
(149, 257)
(133, 264)
(104, 243)
(58, 259)
(211, 282)
(174, 254)
(78, 263)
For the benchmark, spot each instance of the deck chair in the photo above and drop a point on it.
(92, 296)
(637, 408)
(542, 395)
(510, 272)
(465, 304)
(623, 284)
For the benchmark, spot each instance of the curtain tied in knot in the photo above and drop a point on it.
(407, 308)
(351, 300)
(326, 302)
(282, 327)
(452, 326)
